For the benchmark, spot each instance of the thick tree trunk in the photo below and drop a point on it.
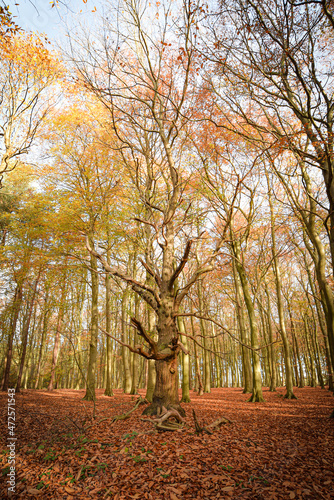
(151, 375)
(166, 386)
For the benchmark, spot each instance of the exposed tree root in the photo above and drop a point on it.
(290, 395)
(163, 422)
(156, 408)
(255, 398)
(209, 429)
(82, 428)
(126, 415)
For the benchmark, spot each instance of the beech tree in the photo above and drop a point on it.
(268, 56)
(148, 87)
(27, 70)
(83, 175)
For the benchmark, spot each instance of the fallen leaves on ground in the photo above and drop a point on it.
(280, 449)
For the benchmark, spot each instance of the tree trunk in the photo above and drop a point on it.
(46, 315)
(272, 350)
(58, 331)
(185, 364)
(135, 357)
(166, 386)
(15, 314)
(25, 332)
(151, 375)
(313, 376)
(246, 355)
(197, 367)
(286, 346)
(206, 360)
(257, 395)
(91, 374)
(127, 379)
(108, 391)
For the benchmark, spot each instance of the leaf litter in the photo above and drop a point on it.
(280, 449)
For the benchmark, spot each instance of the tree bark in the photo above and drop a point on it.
(17, 302)
(257, 395)
(91, 374)
(25, 332)
(108, 390)
(246, 355)
(185, 364)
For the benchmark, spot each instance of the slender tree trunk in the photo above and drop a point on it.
(301, 371)
(322, 325)
(286, 346)
(25, 332)
(127, 379)
(313, 381)
(246, 355)
(197, 367)
(265, 352)
(257, 395)
(17, 302)
(207, 377)
(58, 332)
(185, 363)
(318, 254)
(46, 316)
(272, 350)
(92, 363)
(108, 391)
(135, 357)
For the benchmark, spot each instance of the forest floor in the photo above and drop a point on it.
(279, 449)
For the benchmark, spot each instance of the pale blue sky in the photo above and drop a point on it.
(37, 15)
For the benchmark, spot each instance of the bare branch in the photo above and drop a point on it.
(180, 267)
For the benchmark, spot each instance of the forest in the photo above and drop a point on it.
(167, 252)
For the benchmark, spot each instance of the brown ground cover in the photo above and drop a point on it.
(279, 449)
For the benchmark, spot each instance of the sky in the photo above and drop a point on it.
(38, 16)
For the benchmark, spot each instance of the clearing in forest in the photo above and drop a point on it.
(280, 449)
